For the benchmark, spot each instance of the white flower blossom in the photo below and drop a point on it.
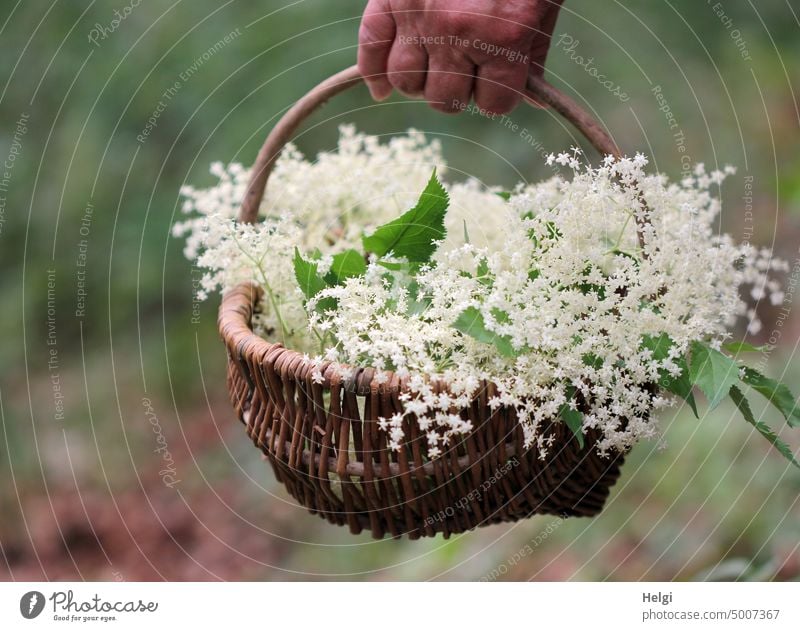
(568, 282)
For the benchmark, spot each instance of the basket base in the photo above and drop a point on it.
(519, 488)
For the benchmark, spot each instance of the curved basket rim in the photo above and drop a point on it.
(236, 308)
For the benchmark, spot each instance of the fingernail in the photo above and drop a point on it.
(381, 93)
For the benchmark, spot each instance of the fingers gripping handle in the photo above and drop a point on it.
(286, 127)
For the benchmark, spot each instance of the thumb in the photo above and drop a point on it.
(375, 39)
(541, 43)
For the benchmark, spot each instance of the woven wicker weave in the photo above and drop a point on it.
(323, 440)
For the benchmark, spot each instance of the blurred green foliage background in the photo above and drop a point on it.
(84, 494)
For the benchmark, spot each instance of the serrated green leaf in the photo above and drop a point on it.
(734, 348)
(347, 264)
(763, 429)
(310, 282)
(680, 385)
(471, 323)
(308, 278)
(413, 234)
(712, 372)
(778, 394)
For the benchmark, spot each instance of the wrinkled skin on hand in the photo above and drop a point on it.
(449, 51)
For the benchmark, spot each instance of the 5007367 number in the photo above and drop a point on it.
(754, 614)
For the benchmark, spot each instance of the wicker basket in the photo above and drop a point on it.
(323, 439)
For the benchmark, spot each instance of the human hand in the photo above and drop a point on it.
(449, 51)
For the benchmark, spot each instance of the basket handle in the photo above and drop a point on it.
(537, 88)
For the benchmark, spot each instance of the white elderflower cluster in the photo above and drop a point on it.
(548, 293)
(325, 205)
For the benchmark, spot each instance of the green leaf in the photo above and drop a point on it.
(553, 231)
(734, 348)
(346, 265)
(712, 372)
(394, 267)
(763, 429)
(574, 420)
(778, 394)
(592, 360)
(506, 195)
(308, 279)
(471, 323)
(627, 255)
(680, 385)
(598, 290)
(500, 315)
(415, 305)
(310, 282)
(413, 234)
(482, 273)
